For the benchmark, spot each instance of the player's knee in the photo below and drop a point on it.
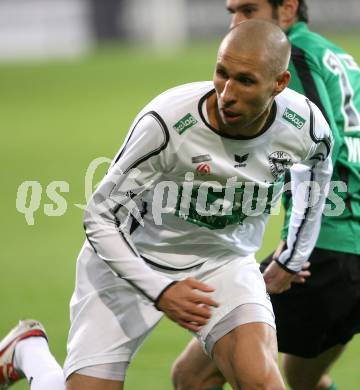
(182, 378)
(297, 382)
(260, 384)
(295, 376)
(269, 378)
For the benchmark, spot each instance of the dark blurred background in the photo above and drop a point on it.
(48, 28)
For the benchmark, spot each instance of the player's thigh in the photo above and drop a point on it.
(237, 283)
(247, 356)
(194, 369)
(109, 327)
(110, 320)
(81, 382)
(302, 373)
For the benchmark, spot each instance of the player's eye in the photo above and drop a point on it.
(221, 73)
(248, 12)
(246, 81)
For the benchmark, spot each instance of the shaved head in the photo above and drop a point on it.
(250, 71)
(259, 37)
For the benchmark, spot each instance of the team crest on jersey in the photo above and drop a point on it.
(185, 123)
(279, 163)
(294, 118)
(203, 169)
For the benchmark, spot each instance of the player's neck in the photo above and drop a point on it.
(254, 128)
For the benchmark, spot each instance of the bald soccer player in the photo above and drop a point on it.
(173, 227)
(192, 256)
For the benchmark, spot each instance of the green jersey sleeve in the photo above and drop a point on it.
(306, 79)
(330, 78)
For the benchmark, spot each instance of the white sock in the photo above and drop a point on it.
(34, 359)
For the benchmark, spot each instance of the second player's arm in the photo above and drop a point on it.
(313, 174)
(309, 80)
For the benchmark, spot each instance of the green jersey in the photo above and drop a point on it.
(330, 78)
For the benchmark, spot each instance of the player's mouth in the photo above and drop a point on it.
(230, 116)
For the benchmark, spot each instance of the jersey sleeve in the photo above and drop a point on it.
(309, 186)
(133, 172)
(310, 81)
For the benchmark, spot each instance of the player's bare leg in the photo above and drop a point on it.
(247, 357)
(316, 369)
(194, 370)
(81, 382)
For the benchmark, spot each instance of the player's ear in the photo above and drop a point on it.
(282, 81)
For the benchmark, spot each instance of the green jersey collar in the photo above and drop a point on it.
(298, 27)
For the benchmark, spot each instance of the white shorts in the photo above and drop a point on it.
(110, 319)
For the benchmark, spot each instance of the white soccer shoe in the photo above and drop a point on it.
(23, 330)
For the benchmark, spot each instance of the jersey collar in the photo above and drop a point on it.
(202, 104)
(298, 27)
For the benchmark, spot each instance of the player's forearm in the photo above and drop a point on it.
(309, 194)
(116, 248)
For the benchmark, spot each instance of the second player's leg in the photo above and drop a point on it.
(194, 370)
(247, 357)
(316, 369)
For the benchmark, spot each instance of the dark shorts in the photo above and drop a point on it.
(323, 312)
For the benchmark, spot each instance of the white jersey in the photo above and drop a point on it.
(178, 193)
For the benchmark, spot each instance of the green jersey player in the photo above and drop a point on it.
(328, 304)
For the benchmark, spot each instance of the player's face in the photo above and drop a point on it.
(245, 87)
(250, 9)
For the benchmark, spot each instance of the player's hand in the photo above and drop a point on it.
(184, 304)
(277, 279)
(301, 276)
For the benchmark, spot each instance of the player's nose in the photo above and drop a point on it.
(228, 94)
(236, 18)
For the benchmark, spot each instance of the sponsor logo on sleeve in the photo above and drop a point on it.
(294, 118)
(185, 123)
